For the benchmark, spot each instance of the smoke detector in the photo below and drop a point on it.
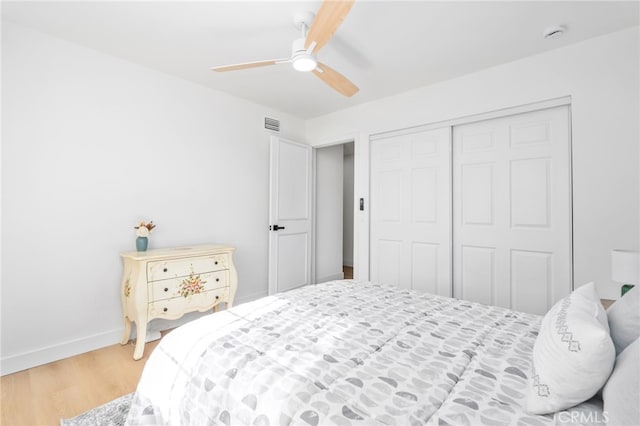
(554, 32)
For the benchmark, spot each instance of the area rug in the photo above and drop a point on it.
(112, 413)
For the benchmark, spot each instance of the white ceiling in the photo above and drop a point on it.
(384, 47)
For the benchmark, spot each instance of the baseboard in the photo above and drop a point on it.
(25, 360)
(47, 354)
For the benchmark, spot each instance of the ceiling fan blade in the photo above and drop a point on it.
(246, 65)
(335, 80)
(327, 20)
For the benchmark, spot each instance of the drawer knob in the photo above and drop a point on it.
(217, 279)
(216, 262)
(217, 297)
(164, 270)
(165, 309)
(166, 289)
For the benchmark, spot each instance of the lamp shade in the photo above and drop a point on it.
(625, 266)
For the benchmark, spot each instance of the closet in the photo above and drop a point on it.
(480, 211)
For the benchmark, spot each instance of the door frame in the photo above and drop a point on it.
(314, 176)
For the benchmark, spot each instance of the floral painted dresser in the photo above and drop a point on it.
(168, 283)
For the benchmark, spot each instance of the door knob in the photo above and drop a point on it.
(277, 227)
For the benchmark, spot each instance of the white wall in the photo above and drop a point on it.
(347, 211)
(600, 75)
(91, 144)
(328, 218)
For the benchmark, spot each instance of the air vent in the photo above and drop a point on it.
(272, 124)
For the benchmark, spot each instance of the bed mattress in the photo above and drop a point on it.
(343, 353)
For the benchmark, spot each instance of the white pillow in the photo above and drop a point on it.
(621, 394)
(573, 354)
(624, 319)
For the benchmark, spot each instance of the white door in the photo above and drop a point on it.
(289, 215)
(512, 210)
(411, 211)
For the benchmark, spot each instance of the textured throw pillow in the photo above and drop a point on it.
(621, 394)
(624, 319)
(573, 354)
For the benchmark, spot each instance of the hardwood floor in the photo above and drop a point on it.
(348, 272)
(43, 395)
(607, 302)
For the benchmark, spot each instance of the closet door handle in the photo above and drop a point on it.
(277, 227)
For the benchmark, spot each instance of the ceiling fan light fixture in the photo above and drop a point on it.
(304, 62)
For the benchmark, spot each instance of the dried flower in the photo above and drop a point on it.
(144, 229)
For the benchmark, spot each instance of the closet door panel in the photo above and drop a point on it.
(478, 270)
(477, 204)
(424, 193)
(424, 270)
(410, 198)
(389, 254)
(531, 273)
(530, 193)
(389, 188)
(512, 192)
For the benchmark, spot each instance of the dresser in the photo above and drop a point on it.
(168, 283)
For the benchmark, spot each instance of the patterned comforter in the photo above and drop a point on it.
(343, 353)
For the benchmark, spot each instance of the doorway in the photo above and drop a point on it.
(334, 212)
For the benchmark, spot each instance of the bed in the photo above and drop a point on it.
(345, 353)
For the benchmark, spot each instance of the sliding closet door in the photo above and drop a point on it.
(512, 210)
(411, 211)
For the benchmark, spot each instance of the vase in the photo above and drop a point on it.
(142, 243)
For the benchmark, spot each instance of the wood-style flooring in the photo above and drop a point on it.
(348, 272)
(43, 395)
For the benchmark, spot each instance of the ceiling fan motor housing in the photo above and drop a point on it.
(298, 47)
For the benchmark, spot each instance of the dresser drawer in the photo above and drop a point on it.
(165, 269)
(172, 308)
(167, 289)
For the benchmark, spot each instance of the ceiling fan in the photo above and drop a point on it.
(304, 50)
